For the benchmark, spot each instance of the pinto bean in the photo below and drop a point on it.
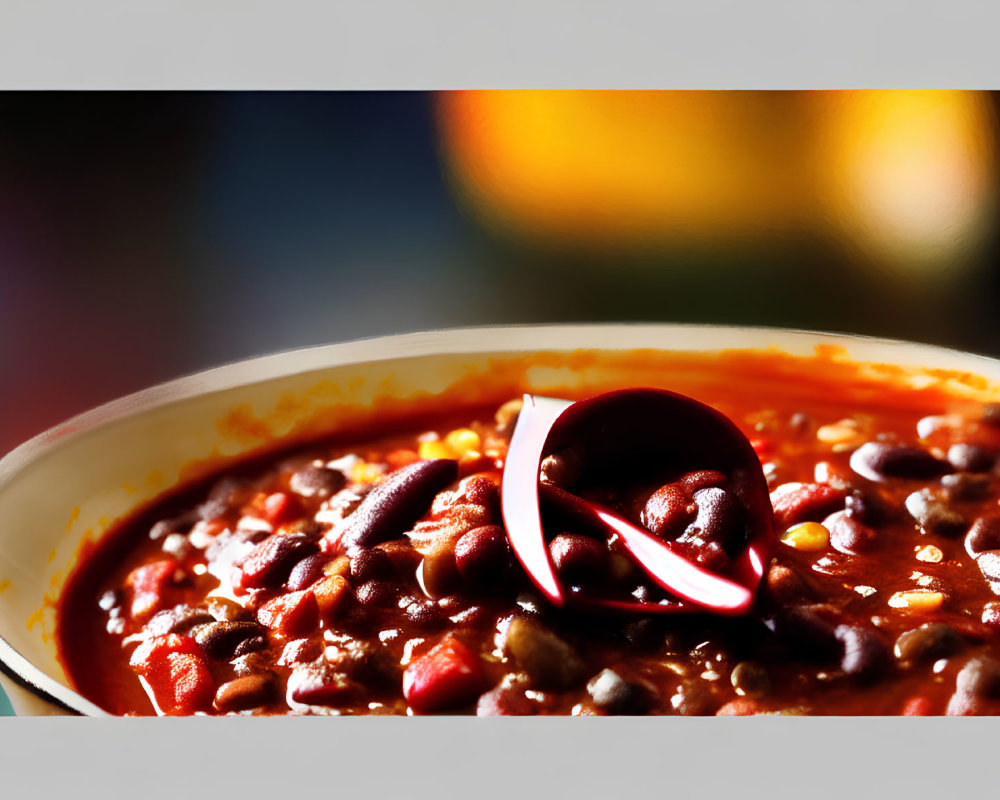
(613, 694)
(250, 691)
(984, 534)
(929, 642)
(549, 661)
(934, 515)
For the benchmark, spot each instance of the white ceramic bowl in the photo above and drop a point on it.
(70, 484)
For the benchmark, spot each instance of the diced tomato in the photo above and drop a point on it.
(740, 707)
(149, 584)
(175, 670)
(917, 706)
(290, 614)
(400, 458)
(280, 507)
(799, 502)
(448, 676)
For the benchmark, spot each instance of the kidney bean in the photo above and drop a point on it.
(481, 491)
(866, 508)
(879, 461)
(394, 505)
(848, 535)
(182, 523)
(226, 496)
(934, 515)
(220, 639)
(251, 645)
(970, 458)
(865, 655)
(963, 486)
(482, 555)
(370, 563)
(579, 560)
(380, 594)
(177, 620)
(989, 564)
(424, 613)
(306, 572)
(930, 642)
(720, 519)
(549, 661)
(250, 691)
(613, 694)
(563, 468)
(271, 561)
(804, 502)
(317, 481)
(668, 511)
(984, 534)
(750, 678)
(702, 479)
(319, 684)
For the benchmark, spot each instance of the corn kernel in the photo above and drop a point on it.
(436, 449)
(930, 554)
(917, 600)
(367, 472)
(462, 440)
(807, 536)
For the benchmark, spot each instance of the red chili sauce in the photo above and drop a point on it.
(244, 594)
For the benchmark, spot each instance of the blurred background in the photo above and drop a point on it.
(145, 236)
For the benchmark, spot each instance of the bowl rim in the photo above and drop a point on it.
(498, 339)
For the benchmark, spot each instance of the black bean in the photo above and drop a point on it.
(613, 694)
(879, 461)
(669, 510)
(989, 564)
(579, 560)
(370, 563)
(482, 555)
(177, 620)
(970, 458)
(980, 677)
(270, 562)
(963, 486)
(317, 481)
(808, 629)
(783, 585)
(394, 505)
(751, 679)
(934, 515)
(305, 573)
(865, 655)
(250, 691)
(984, 534)
(930, 642)
(219, 640)
(848, 535)
(719, 519)
(866, 508)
